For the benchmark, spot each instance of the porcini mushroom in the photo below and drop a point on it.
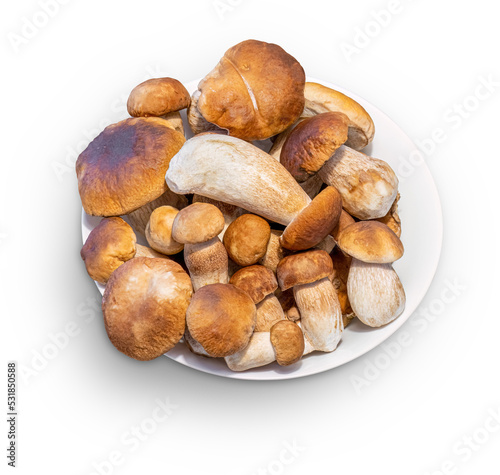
(317, 301)
(374, 289)
(197, 227)
(288, 342)
(259, 283)
(144, 306)
(221, 318)
(159, 231)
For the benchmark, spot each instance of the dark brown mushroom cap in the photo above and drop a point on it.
(221, 318)
(312, 142)
(124, 167)
(372, 242)
(157, 97)
(144, 306)
(257, 281)
(314, 222)
(304, 268)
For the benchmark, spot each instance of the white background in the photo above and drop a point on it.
(395, 410)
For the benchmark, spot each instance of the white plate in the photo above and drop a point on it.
(420, 212)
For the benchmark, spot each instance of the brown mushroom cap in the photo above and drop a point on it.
(159, 231)
(124, 167)
(108, 246)
(304, 268)
(321, 99)
(288, 342)
(197, 223)
(312, 142)
(157, 97)
(345, 220)
(371, 241)
(144, 306)
(246, 239)
(257, 281)
(256, 91)
(221, 318)
(314, 222)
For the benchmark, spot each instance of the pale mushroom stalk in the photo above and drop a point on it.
(320, 314)
(269, 312)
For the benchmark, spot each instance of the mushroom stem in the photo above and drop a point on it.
(207, 263)
(368, 186)
(320, 314)
(269, 312)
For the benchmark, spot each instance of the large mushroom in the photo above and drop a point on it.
(374, 289)
(233, 171)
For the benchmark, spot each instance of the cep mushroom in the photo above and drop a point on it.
(259, 283)
(159, 231)
(374, 289)
(197, 227)
(227, 169)
(160, 97)
(368, 186)
(316, 299)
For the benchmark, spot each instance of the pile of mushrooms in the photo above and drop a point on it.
(255, 255)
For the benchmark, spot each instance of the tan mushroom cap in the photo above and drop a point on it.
(157, 97)
(221, 318)
(312, 142)
(246, 239)
(257, 281)
(159, 231)
(124, 167)
(111, 243)
(314, 222)
(345, 220)
(372, 242)
(288, 342)
(304, 268)
(196, 223)
(144, 306)
(321, 99)
(255, 91)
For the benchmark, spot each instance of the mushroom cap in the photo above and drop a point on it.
(320, 99)
(314, 222)
(144, 306)
(312, 142)
(255, 91)
(124, 167)
(159, 231)
(196, 223)
(108, 246)
(288, 342)
(221, 318)
(345, 220)
(371, 241)
(257, 281)
(246, 239)
(157, 97)
(304, 268)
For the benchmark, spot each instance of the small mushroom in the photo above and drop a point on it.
(392, 218)
(288, 342)
(246, 239)
(221, 318)
(274, 251)
(197, 227)
(159, 231)
(320, 99)
(144, 306)
(374, 289)
(259, 283)
(316, 299)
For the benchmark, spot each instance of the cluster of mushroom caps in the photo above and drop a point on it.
(254, 256)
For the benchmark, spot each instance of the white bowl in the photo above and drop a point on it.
(420, 212)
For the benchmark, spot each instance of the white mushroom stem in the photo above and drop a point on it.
(327, 244)
(368, 186)
(269, 312)
(233, 171)
(320, 314)
(375, 292)
(207, 263)
(258, 352)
